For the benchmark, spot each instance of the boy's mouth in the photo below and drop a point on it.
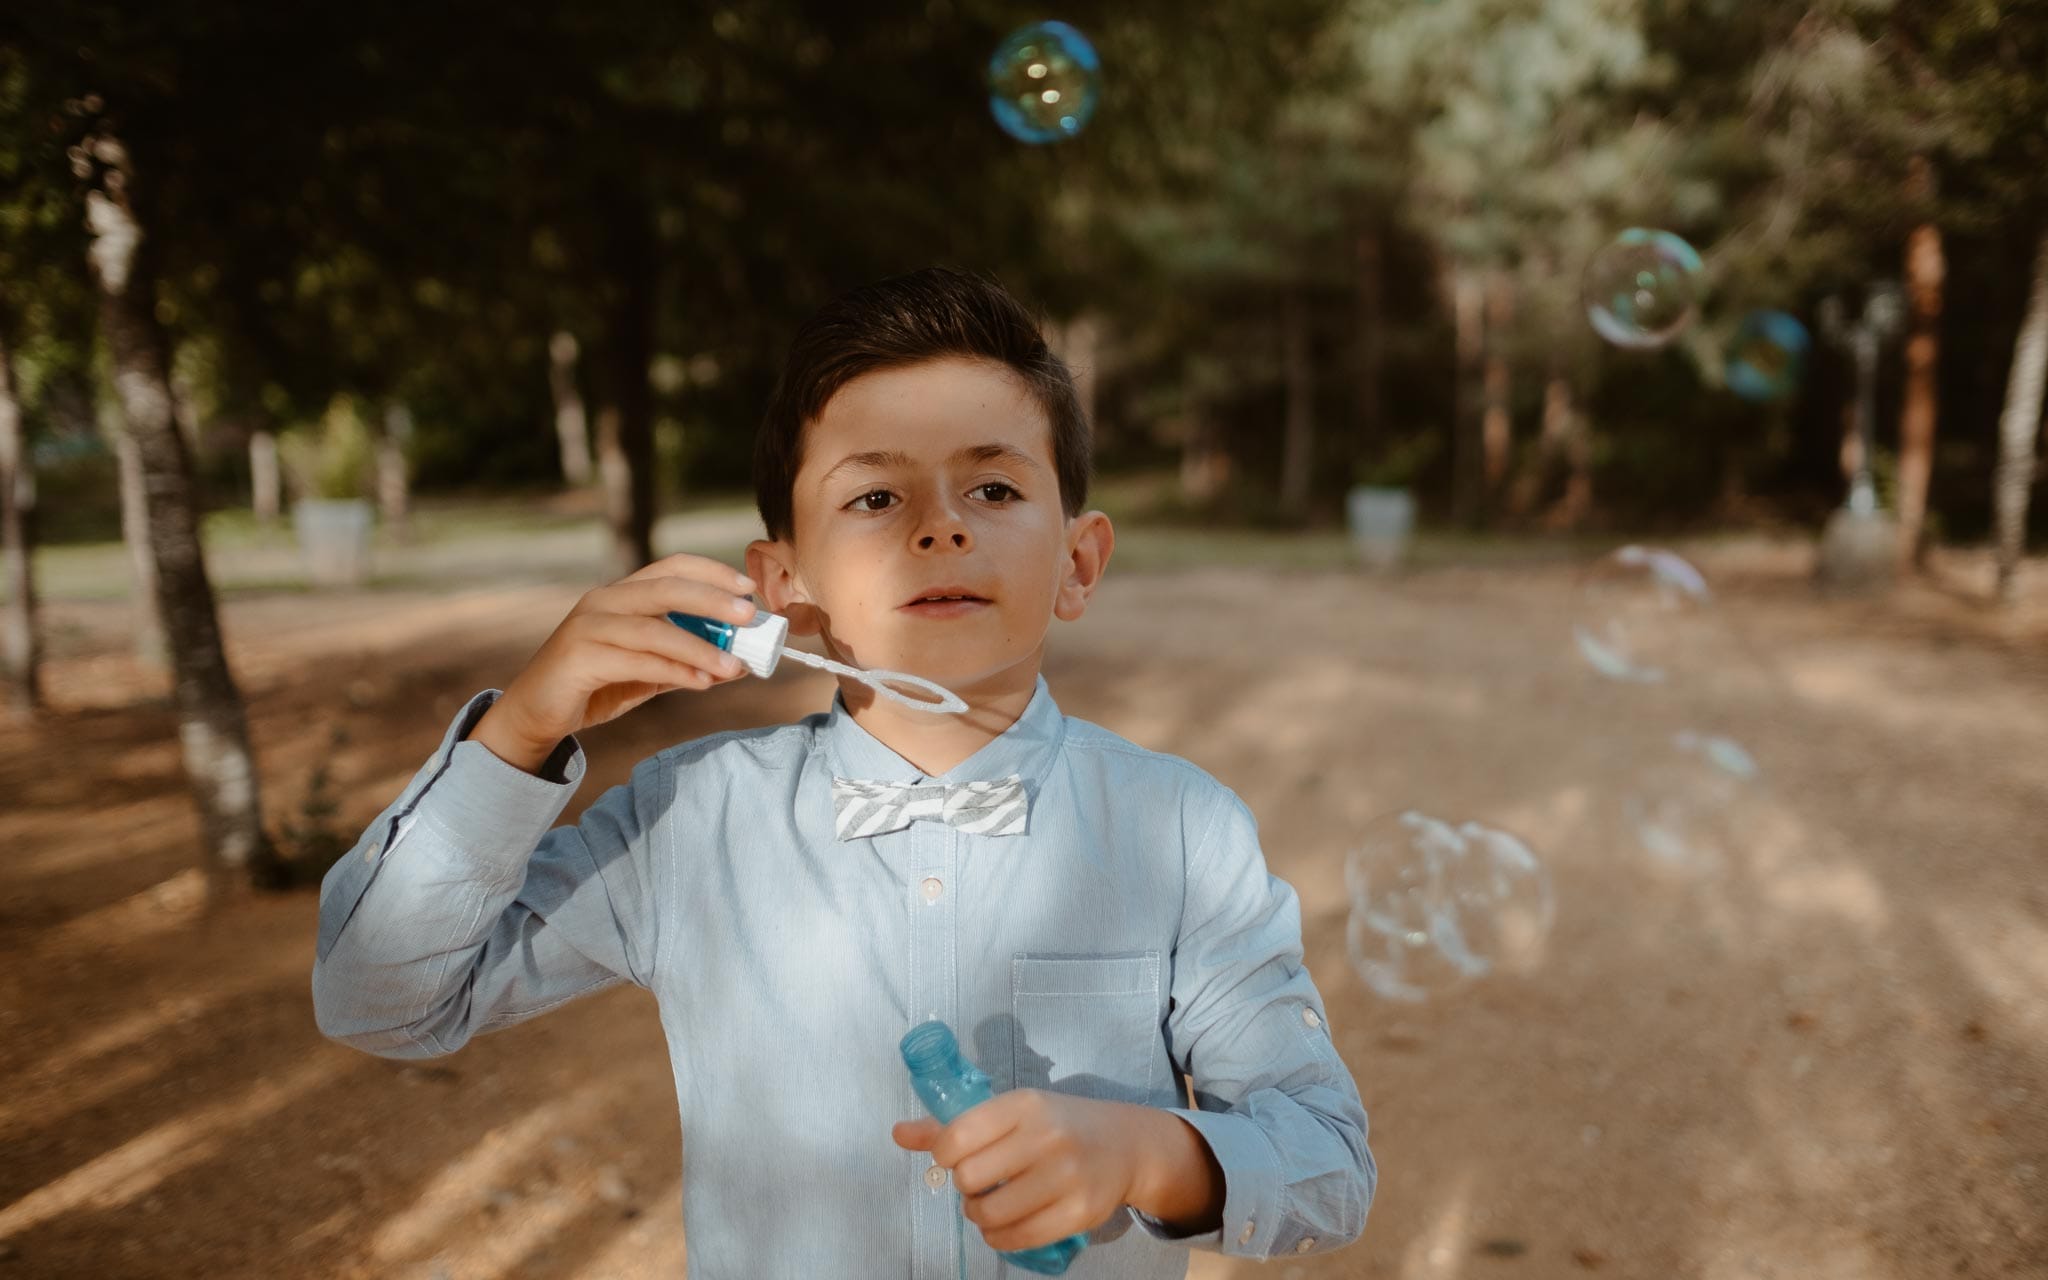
(945, 602)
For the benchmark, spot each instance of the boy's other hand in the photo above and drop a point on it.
(614, 651)
(1034, 1166)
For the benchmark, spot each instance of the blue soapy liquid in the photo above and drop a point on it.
(710, 630)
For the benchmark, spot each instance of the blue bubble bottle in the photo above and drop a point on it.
(949, 1085)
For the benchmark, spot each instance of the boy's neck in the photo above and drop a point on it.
(937, 743)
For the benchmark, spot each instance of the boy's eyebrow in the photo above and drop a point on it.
(879, 459)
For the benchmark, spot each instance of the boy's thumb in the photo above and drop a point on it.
(916, 1135)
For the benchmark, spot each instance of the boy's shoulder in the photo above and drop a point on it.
(768, 748)
(1123, 762)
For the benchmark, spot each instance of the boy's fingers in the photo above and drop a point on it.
(981, 1126)
(702, 568)
(980, 1172)
(651, 597)
(1054, 1221)
(915, 1135)
(634, 666)
(663, 638)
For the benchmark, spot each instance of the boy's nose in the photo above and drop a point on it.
(942, 528)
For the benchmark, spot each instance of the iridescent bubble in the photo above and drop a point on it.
(1767, 356)
(1434, 906)
(1641, 290)
(1043, 82)
(1696, 807)
(1639, 613)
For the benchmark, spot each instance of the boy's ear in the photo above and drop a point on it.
(1090, 539)
(772, 566)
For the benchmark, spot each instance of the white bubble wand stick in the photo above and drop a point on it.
(763, 642)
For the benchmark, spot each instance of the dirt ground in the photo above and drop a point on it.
(1825, 1055)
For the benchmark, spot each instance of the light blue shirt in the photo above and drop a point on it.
(1130, 935)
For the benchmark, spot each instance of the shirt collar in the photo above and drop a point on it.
(1024, 748)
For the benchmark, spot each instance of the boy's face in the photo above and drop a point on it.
(933, 479)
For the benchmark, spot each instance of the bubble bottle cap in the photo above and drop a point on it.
(759, 643)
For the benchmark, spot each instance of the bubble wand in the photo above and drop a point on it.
(763, 642)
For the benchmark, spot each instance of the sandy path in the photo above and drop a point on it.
(1827, 1057)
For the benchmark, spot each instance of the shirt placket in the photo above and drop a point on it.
(930, 887)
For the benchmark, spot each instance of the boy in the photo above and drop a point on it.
(1095, 924)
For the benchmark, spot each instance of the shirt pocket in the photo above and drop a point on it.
(1086, 1024)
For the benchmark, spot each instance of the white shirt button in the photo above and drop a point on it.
(935, 1177)
(1311, 1018)
(933, 887)
(1245, 1236)
(1307, 1243)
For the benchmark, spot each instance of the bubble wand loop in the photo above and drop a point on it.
(763, 642)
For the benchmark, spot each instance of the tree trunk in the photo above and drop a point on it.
(394, 480)
(265, 484)
(1925, 272)
(1372, 340)
(2018, 426)
(572, 426)
(150, 649)
(1468, 295)
(212, 729)
(1496, 430)
(1571, 509)
(1553, 443)
(625, 425)
(20, 659)
(1204, 466)
(1078, 343)
(1298, 447)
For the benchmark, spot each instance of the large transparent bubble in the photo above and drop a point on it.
(1043, 82)
(1436, 905)
(1642, 290)
(1639, 614)
(1696, 807)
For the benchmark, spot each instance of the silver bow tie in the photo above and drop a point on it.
(861, 809)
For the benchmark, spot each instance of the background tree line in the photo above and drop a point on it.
(249, 252)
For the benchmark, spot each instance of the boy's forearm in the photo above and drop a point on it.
(1179, 1182)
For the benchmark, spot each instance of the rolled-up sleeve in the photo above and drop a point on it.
(459, 910)
(1274, 1101)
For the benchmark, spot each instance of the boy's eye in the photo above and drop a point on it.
(983, 490)
(874, 500)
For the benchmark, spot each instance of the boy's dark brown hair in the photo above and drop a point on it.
(905, 320)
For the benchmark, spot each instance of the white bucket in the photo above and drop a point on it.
(1381, 521)
(334, 538)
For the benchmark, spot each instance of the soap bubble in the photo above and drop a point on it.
(1638, 613)
(1434, 906)
(1767, 356)
(1640, 291)
(1697, 806)
(1043, 81)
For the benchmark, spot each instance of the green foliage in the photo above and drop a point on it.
(332, 458)
(394, 204)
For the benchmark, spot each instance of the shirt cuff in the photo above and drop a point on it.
(1251, 1186)
(490, 810)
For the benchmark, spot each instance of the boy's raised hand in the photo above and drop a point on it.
(614, 651)
(1033, 1166)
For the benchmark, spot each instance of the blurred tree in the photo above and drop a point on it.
(213, 728)
(20, 659)
(45, 344)
(2019, 427)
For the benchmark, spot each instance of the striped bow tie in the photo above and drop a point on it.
(862, 809)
